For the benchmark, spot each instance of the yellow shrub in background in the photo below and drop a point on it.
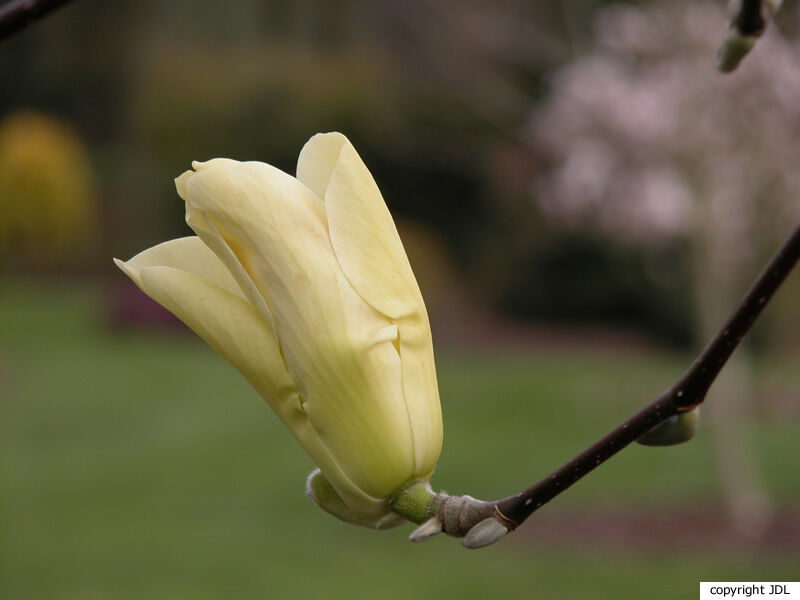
(47, 204)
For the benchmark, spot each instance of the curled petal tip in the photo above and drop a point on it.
(426, 531)
(484, 533)
(182, 183)
(129, 270)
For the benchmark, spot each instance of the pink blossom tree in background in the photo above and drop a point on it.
(648, 145)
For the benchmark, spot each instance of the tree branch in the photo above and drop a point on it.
(16, 15)
(482, 523)
(688, 392)
(749, 20)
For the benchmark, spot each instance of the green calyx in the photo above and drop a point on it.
(414, 501)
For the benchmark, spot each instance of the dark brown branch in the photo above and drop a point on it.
(750, 18)
(15, 15)
(689, 391)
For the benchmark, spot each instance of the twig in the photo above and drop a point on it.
(15, 15)
(483, 523)
(749, 20)
(688, 392)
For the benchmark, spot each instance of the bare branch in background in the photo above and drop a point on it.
(18, 14)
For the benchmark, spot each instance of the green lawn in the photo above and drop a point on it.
(143, 466)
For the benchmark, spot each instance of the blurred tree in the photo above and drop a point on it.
(646, 144)
(46, 193)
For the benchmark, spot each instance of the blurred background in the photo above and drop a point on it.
(583, 200)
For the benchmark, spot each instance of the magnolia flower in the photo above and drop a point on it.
(303, 285)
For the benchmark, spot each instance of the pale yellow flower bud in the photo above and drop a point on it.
(303, 285)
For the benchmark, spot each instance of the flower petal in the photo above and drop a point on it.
(366, 241)
(187, 254)
(421, 390)
(232, 327)
(372, 257)
(317, 160)
(229, 324)
(336, 346)
(208, 233)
